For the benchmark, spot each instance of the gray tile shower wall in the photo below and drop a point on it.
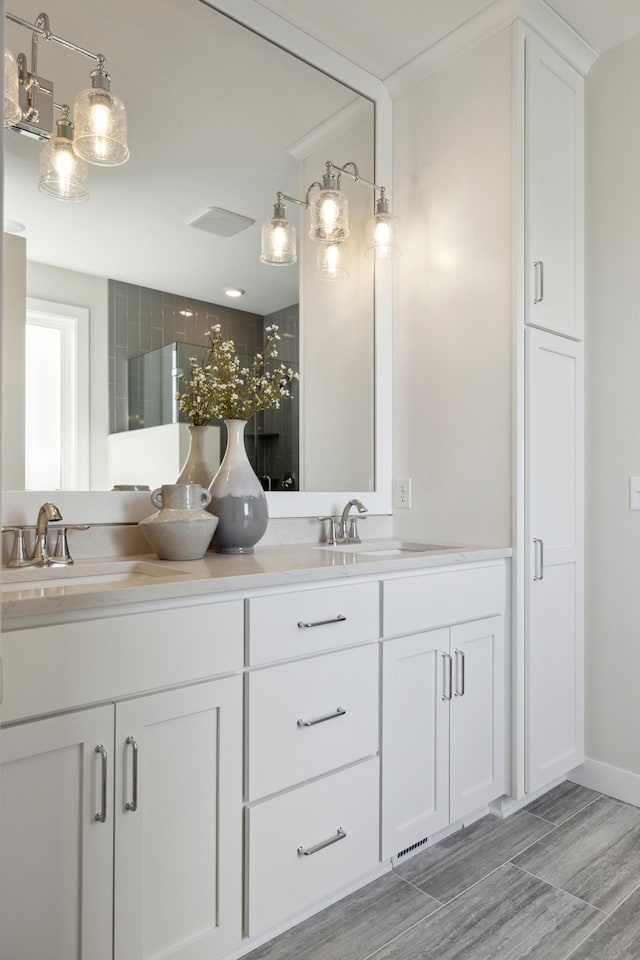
(141, 320)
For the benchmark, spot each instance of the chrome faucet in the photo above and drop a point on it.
(349, 533)
(42, 555)
(41, 549)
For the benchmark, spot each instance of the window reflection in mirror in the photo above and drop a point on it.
(246, 120)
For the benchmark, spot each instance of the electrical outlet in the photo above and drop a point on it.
(403, 493)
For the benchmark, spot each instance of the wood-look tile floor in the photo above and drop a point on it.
(559, 880)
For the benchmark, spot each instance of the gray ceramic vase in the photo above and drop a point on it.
(182, 528)
(237, 497)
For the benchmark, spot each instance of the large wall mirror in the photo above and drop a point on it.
(221, 116)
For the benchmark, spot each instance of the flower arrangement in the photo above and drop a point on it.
(221, 389)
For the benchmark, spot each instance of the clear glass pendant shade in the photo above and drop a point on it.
(12, 111)
(329, 216)
(278, 242)
(331, 261)
(382, 235)
(100, 122)
(63, 175)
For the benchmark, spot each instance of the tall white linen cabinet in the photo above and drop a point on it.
(489, 180)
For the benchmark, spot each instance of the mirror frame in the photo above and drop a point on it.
(112, 507)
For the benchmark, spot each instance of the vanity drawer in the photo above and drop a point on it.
(282, 880)
(310, 621)
(442, 597)
(309, 717)
(68, 665)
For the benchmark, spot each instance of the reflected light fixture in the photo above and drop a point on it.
(331, 261)
(100, 120)
(279, 235)
(233, 292)
(330, 224)
(63, 174)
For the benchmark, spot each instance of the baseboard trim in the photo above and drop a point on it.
(614, 781)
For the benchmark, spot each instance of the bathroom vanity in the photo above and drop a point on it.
(226, 746)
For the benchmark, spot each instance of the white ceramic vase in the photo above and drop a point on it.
(196, 468)
(237, 497)
(182, 528)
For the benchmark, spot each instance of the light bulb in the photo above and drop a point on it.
(63, 162)
(278, 240)
(329, 214)
(382, 233)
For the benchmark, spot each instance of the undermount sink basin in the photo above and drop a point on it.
(386, 548)
(85, 577)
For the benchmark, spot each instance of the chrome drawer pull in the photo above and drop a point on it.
(538, 267)
(339, 712)
(102, 815)
(321, 623)
(132, 804)
(538, 573)
(447, 683)
(460, 686)
(340, 835)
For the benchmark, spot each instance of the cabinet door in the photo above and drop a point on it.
(178, 874)
(415, 739)
(56, 867)
(554, 191)
(477, 716)
(554, 566)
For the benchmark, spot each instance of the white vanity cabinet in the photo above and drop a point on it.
(122, 824)
(554, 191)
(312, 783)
(56, 837)
(554, 562)
(443, 701)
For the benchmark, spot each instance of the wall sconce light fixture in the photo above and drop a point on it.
(98, 132)
(329, 225)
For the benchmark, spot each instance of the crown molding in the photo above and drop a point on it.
(344, 119)
(536, 14)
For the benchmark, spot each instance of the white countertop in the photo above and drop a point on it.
(153, 580)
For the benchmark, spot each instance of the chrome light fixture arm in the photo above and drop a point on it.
(41, 28)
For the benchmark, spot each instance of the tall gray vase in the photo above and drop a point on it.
(237, 497)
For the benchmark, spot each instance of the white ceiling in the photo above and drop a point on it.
(212, 109)
(381, 36)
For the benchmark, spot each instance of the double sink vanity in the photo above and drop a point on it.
(227, 745)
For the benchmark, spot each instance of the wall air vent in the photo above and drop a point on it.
(222, 223)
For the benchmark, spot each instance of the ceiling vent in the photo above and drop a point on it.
(223, 223)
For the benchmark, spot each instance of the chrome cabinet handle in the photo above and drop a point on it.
(448, 676)
(133, 803)
(101, 816)
(339, 712)
(460, 670)
(321, 623)
(539, 560)
(538, 267)
(309, 851)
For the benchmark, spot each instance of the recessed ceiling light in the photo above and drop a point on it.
(233, 291)
(185, 313)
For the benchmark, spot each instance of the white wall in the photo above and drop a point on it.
(452, 310)
(337, 350)
(81, 290)
(14, 313)
(613, 407)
